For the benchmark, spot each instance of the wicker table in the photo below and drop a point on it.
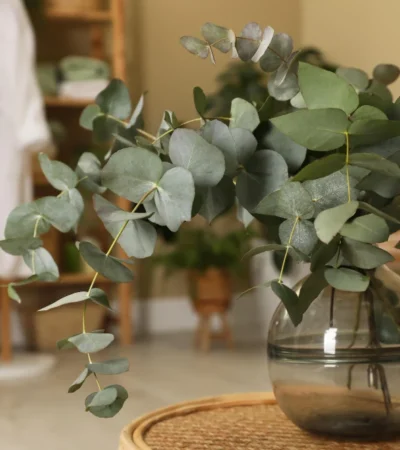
(234, 422)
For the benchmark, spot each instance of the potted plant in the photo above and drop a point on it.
(210, 260)
(329, 179)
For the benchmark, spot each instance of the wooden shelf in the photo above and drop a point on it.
(79, 16)
(66, 102)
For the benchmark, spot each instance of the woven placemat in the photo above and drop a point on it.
(232, 423)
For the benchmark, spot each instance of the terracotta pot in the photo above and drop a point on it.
(211, 290)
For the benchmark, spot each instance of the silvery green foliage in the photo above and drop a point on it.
(326, 175)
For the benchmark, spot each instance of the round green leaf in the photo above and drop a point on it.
(204, 161)
(115, 100)
(42, 264)
(321, 129)
(244, 115)
(329, 222)
(18, 247)
(174, 197)
(356, 77)
(132, 172)
(304, 237)
(219, 37)
(279, 50)
(285, 90)
(248, 41)
(367, 112)
(363, 255)
(196, 46)
(91, 342)
(110, 367)
(58, 174)
(236, 144)
(369, 228)
(367, 132)
(103, 264)
(375, 163)
(88, 170)
(346, 279)
(217, 199)
(106, 412)
(138, 238)
(386, 73)
(323, 89)
(290, 300)
(321, 167)
(200, 101)
(265, 172)
(88, 115)
(78, 383)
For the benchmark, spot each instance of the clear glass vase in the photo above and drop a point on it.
(338, 372)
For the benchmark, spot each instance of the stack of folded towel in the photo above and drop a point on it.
(77, 77)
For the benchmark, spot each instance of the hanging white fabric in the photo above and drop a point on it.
(23, 127)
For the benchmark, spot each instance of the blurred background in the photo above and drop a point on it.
(56, 56)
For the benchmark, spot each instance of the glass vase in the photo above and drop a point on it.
(338, 372)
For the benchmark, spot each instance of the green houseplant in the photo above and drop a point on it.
(328, 179)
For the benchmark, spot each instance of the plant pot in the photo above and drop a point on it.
(211, 291)
(338, 371)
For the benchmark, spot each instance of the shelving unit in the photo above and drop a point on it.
(69, 108)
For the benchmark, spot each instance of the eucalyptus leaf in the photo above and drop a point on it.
(265, 172)
(356, 77)
(58, 174)
(11, 291)
(18, 247)
(217, 199)
(371, 209)
(329, 222)
(369, 228)
(88, 115)
(347, 279)
(312, 288)
(244, 115)
(115, 100)
(249, 41)
(91, 342)
(321, 168)
(174, 197)
(299, 234)
(323, 89)
(367, 112)
(42, 264)
(330, 191)
(243, 215)
(293, 153)
(78, 383)
(324, 253)
(106, 412)
(283, 90)
(219, 37)
(132, 173)
(236, 144)
(200, 101)
(110, 367)
(363, 255)
(298, 101)
(77, 297)
(289, 66)
(105, 397)
(386, 73)
(205, 161)
(321, 130)
(279, 50)
(290, 300)
(266, 39)
(375, 163)
(196, 46)
(372, 99)
(366, 132)
(267, 284)
(88, 170)
(107, 266)
(136, 118)
(292, 200)
(138, 238)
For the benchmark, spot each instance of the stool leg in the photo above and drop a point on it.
(205, 333)
(226, 330)
(6, 347)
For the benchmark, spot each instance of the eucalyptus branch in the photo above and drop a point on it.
(35, 234)
(96, 275)
(287, 249)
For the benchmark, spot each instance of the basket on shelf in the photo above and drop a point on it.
(74, 5)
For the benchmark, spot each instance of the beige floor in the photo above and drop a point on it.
(40, 415)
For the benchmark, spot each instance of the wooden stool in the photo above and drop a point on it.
(206, 309)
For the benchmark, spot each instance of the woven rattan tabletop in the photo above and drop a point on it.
(235, 422)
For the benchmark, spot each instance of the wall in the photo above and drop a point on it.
(358, 33)
(166, 70)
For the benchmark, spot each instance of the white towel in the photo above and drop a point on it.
(23, 125)
(86, 90)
